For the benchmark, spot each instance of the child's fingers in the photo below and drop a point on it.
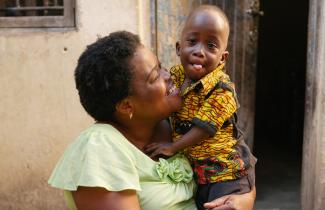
(151, 147)
(155, 153)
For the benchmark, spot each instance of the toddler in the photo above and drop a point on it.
(205, 127)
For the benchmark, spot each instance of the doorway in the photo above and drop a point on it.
(280, 94)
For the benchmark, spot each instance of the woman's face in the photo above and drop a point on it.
(153, 93)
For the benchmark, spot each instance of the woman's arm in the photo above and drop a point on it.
(233, 202)
(96, 198)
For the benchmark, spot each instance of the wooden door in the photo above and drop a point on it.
(241, 66)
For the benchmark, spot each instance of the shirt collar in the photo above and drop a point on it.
(208, 81)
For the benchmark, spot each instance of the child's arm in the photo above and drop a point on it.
(163, 133)
(161, 136)
(216, 109)
(194, 136)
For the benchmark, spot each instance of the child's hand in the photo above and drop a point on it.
(155, 149)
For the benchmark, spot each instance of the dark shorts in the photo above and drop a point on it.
(209, 192)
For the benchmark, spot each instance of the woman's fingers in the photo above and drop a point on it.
(222, 203)
(216, 202)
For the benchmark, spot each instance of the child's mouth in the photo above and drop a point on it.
(197, 66)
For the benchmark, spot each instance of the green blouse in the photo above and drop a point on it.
(101, 156)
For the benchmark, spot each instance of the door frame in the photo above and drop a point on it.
(313, 166)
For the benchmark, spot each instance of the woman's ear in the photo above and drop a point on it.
(124, 107)
(224, 57)
(178, 49)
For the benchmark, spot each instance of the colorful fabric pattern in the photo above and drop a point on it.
(214, 159)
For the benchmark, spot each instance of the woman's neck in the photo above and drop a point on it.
(138, 134)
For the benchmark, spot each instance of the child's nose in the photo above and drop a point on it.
(198, 50)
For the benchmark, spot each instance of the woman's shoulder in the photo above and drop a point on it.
(100, 130)
(99, 156)
(101, 137)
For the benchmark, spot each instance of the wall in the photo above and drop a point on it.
(39, 109)
(313, 174)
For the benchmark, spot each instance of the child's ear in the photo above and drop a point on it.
(124, 107)
(178, 48)
(224, 57)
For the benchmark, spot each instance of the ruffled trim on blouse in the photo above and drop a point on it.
(175, 169)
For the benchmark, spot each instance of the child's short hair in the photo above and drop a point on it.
(209, 7)
(103, 73)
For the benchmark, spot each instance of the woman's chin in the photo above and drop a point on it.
(175, 104)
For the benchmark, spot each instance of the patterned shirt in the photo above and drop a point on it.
(209, 106)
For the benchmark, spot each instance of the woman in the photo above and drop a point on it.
(123, 87)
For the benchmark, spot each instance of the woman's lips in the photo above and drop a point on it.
(173, 91)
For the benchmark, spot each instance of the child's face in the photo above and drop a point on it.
(203, 43)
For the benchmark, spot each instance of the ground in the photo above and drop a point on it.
(278, 173)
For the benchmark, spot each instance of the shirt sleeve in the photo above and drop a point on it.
(96, 160)
(215, 110)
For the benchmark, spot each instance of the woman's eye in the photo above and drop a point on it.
(155, 76)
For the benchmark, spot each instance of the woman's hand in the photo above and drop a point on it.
(233, 202)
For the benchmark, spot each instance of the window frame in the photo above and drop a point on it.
(65, 21)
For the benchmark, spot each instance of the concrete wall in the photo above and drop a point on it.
(40, 112)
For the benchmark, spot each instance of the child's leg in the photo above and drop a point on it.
(238, 186)
(209, 192)
(201, 196)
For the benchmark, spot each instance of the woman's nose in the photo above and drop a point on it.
(165, 74)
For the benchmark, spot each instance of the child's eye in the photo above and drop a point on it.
(191, 41)
(212, 45)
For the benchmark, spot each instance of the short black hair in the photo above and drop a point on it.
(104, 72)
(207, 7)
